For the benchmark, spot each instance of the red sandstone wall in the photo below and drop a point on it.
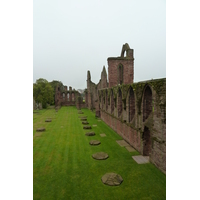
(113, 71)
(150, 116)
(133, 132)
(125, 131)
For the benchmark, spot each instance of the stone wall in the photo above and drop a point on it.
(91, 94)
(64, 97)
(136, 111)
(79, 103)
(139, 116)
(120, 69)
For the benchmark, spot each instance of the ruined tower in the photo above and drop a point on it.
(120, 69)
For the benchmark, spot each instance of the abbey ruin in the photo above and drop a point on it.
(136, 111)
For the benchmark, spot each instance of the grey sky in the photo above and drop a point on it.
(71, 37)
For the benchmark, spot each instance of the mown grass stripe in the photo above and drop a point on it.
(63, 167)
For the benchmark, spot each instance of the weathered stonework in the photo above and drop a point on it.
(64, 97)
(120, 69)
(37, 106)
(136, 111)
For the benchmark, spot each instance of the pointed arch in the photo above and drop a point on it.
(106, 100)
(119, 103)
(146, 141)
(102, 100)
(147, 102)
(112, 101)
(131, 104)
(125, 48)
(67, 96)
(72, 96)
(120, 72)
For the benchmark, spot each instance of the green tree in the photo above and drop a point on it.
(43, 92)
(54, 84)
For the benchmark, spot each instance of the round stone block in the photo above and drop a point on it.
(86, 127)
(100, 156)
(83, 119)
(85, 122)
(48, 120)
(90, 134)
(40, 129)
(95, 142)
(112, 179)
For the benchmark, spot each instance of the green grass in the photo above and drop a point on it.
(63, 167)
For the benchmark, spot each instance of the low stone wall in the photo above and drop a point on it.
(129, 134)
(68, 103)
(134, 138)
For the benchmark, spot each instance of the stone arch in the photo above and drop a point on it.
(131, 104)
(120, 72)
(147, 102)
(99, 95)
(112, 101)
(106, 100)
(146, 142)
(102, 100)
(72, 96)
(119, 103)
(68, 96)
(125, 48)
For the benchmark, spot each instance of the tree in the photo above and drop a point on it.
(54, 84)
(43, 92)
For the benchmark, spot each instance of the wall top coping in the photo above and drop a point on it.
(120, 58)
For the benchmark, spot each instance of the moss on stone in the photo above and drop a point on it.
(125, 89)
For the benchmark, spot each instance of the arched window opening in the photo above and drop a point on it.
(120, 74)
(72, 96)
(146, 142)
(102, 102)
(106, 100)
(147, 103)
(119, 107)
(112, 102)
(67, 96)
(63, 96)
(131, 104)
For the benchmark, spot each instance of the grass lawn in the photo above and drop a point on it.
(63, 167)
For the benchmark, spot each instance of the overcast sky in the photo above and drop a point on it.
(71, 37)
